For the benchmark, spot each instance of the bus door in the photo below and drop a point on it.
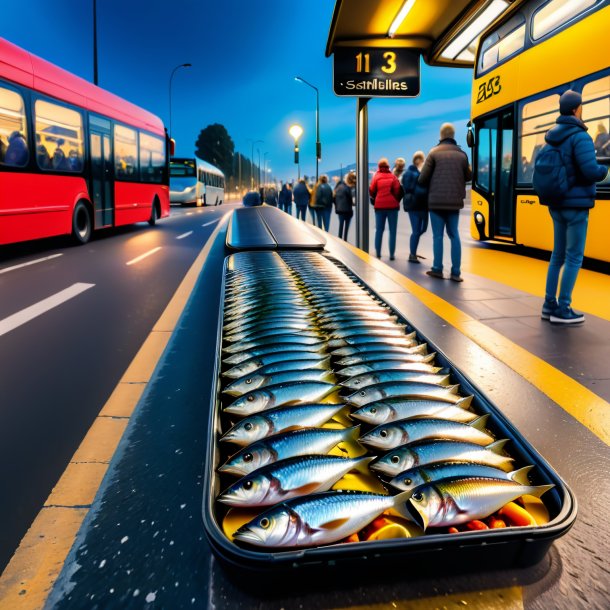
(102, 187)
(496, 172)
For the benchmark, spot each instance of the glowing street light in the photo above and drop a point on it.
(296, 131)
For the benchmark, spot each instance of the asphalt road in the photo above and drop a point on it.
(71, 321)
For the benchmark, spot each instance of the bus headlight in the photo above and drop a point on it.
(478, 218)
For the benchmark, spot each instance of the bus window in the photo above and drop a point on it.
(125, 153)
(152, 158)
(555, 13)
(537, 118)
(59, 137)
(13, 135)
(596, 114)
(498, 46)
(486, 151)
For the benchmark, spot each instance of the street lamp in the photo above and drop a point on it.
(258, 169)
(318, 143)
(252, 160)
(170, 94)
(296, 131)
(265, 167)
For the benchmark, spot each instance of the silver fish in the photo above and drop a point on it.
(391, 337)
(455, 501)
(281, 419)
(293, 365)
(254, 319)
(385, 365)
(290, 478)
(404, 389)
(337, 330)
(301, 338)
(308, 441)
(404, 431)
(294, 393)
(258, 332)
(379, 346)
(414, 477)
(373, 357)
(393, 409)
(352, 315)
(318, 519)
(251, 364)
(419, 454)
(256, 380)
(275, 348)
(366, 379)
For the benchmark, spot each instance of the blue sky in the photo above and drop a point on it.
(245, 56)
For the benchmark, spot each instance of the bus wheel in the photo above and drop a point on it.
(154, 214)
(81, 223)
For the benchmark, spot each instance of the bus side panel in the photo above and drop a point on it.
(132, 202)
(34, 206)
(479, 204)
(597, 234)
(534, 227)
(162, 192)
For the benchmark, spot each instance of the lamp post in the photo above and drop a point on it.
(170, 94)
(265, 167)
(252, 160)
(296, 131)
(318, 143)
(258, 169)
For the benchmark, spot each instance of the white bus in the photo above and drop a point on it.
(195, 182)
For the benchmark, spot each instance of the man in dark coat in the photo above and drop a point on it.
(571, 215)
(285, 199)
(445, 172)
(302, 196)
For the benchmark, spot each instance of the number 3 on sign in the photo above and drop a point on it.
(390, 66)
(365, 66)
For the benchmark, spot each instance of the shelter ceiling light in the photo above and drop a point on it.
(400, 17)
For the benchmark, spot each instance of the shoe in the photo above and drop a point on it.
(436, 274)
(392, 258)
(413, 258)
(456, 278)
(548, 309)
(566, 315)
(378, 255)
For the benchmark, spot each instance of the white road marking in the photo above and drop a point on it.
(29, 313)
(142, 256)
(38, 260)
(184, 235)
(207, 224)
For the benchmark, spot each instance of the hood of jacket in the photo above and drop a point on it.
(566, 126)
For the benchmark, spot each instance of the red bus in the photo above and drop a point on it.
(73, 157)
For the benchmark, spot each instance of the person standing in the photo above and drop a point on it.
(570, 211)
(285, 199)
(323, 202)
(386, 192)
(302, 197)
(399, 168)
(344, 203)
(445, 173)
(415, 203)
(271, 196)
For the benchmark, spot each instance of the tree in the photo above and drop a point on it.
(215, 146)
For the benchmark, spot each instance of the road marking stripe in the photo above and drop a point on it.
(207, 224)
(29, 577)
(184, 235)
(33, 311)
(38, 260)
(142, 256)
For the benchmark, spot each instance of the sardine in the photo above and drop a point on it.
(365, 338)
(393, 409)
(257, 380)
(308, 441)
(291, 478)
(293, 365)
(385, 365)
(372, 357)
(404, 389)
(404, 431)
(253, 363)
(295, 393)
(354, 315)
(281, 419)
(455, 501)
(275, 348)
(414, 477)
(279, 328)
(300, 338)
(429, 452)
(366, 379)
(318, 519)
(378, 346)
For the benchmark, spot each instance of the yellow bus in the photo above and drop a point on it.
(525, 60)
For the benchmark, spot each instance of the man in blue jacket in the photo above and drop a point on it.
(571, 215)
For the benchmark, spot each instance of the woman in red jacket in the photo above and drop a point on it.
(386, 193)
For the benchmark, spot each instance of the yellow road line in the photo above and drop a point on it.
(29, 577)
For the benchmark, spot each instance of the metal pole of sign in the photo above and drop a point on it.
(362, 173)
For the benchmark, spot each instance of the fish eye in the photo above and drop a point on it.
(383, 433)
(363, 393)
(248, 381)
(248, 457)
(250, 398)
(395, 459)
(356, 382)
(418, 496)
(373, 410)
(248, 485)
(407, 481)
(248, 427)
(264, 523)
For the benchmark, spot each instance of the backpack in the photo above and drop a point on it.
(550, 178)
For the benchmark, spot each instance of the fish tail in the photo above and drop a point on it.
(464, 403)
(411, 335)
(538, 490)
(349, 443)
(519, 476)
(480, 423)
(429, 357)
(452, 389)
(363, 464)
(401, 505)
(498, 446)
(329, 377)
(323, 364)
(444, 381)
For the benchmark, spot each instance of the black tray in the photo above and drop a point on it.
(511, 547)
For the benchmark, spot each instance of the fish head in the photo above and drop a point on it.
(360, 381)
(364, 396)
(394, 462)
(384, 437)
(275, 527)
(377, 413)
(247, 460)
(241, 386)
(250, 490)
(248, 430)
(242, 368)
(251, 402)
(409, 480)
(424, 504)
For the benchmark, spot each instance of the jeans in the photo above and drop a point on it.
(380, 218)
(326, 212)
(441, 220)
(312, 212)
(302, 211)
(286, 207)
(319, 216)
(419, 225)
(570, 233)
(345, 218)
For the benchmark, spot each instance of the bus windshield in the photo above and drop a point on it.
(182, 168)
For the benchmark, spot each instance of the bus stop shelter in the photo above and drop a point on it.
(377, 46)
